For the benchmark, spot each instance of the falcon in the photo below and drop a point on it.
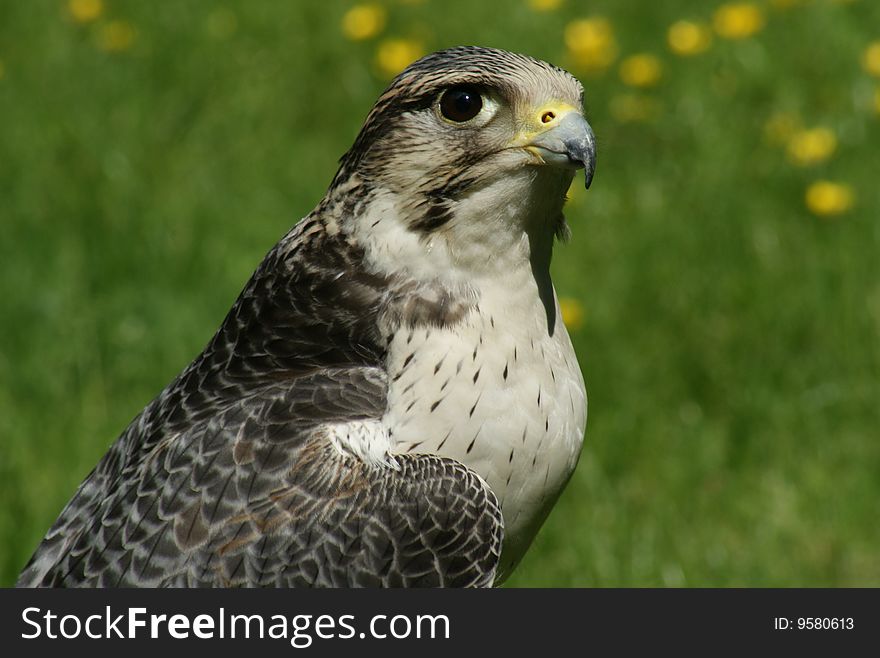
(393, 399)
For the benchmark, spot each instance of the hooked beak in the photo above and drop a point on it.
(568, 143)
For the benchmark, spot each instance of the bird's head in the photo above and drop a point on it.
(475, 136)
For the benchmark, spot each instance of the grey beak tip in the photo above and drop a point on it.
(570, 144)
(581, 147)
(588, 177)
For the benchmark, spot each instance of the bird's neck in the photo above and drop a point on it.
(501, 228)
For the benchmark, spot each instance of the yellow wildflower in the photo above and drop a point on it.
(738, 20)
(826, 198)
(591, 43)
(808, 147)
(687, 38)
(781, 127)
(545, 5)
(643, 70)
(85, 11)
(572, 313)
(116, 36)
(633, 108)
(871, 59)
(394, 55)
(363, 21)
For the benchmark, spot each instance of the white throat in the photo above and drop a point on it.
(504, 226)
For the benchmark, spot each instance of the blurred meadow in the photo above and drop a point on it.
(722, 285)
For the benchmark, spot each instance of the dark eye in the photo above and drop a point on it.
(461, 103)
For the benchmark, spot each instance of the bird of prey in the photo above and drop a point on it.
(393, 399)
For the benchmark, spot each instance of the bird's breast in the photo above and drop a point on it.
(502, 394)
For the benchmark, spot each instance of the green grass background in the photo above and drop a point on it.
(731, 343)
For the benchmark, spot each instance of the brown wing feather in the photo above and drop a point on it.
(227, 478)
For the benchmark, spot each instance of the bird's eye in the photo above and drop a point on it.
(460, 104)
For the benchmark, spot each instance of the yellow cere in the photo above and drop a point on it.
(572, 313)
(812, 146)
(544, 5)
(394, 55)
(871, 59)
(85, 11)
(738, 20)
(554, 110)
(686, 38)
(591, 44)
(116, 36)
(642, 70)
(363, 21)
(827, 199)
